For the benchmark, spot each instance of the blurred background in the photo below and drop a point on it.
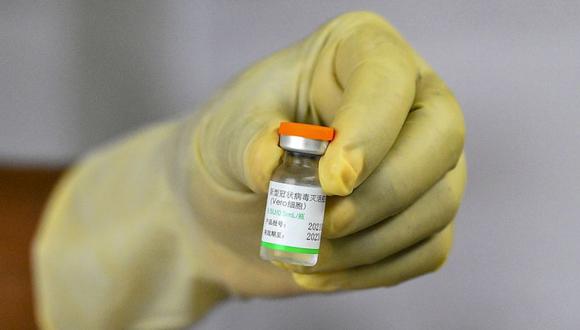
(75, 74)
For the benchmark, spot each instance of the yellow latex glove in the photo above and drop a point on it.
(154, 230)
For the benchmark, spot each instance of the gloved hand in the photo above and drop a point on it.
(151, 232)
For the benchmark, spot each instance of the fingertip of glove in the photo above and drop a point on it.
(262, 157)
(338, 218)
(314, 282)
(339, 171)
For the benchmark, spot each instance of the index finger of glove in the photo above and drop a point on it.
(377, 73)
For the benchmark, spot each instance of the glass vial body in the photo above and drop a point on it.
(294, 211)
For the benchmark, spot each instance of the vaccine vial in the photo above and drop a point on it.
(295, 205)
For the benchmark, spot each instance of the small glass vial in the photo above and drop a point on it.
(295, 205)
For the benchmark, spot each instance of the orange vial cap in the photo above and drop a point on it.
(308, 131)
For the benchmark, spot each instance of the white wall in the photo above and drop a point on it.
(73, 74)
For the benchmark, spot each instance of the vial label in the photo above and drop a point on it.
(293, 219)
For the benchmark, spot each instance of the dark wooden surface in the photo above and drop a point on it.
(23, 192)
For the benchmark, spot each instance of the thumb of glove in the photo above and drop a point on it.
(240, 150)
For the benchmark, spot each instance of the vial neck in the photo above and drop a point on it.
(292, 158)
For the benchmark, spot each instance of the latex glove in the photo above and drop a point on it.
(399, 141)
(154, 230)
